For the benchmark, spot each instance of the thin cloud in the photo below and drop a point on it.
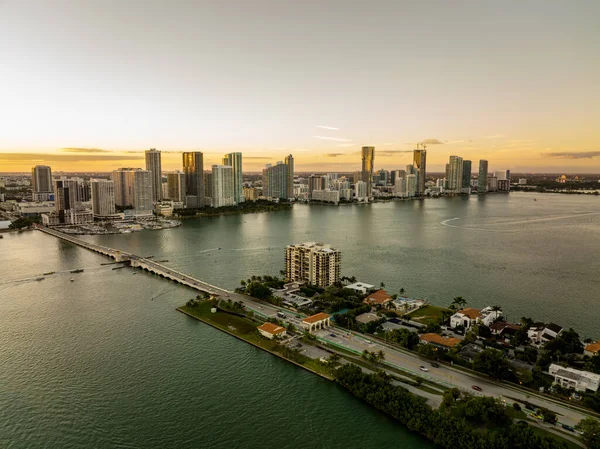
(327, 127)
(84, 150)
(454, 141)
(432, 142)
(392, 152)
(573, 155)
(257, 158)
(334, 154)
(496, 136)
(335, 139)
(49, 157)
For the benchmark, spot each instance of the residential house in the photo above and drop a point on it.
(439, 341)
(504, 329)
(469, 351)
(360, 287)
(575, 379)
(270, 330)
(378, 298)
(540, 333)
(592, 349)
(469, 317)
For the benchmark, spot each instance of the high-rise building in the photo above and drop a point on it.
(65, 197)
(316, 182)
(234, 160)
(360, 191)
(193, 169)
(41, 182)
(222, 186)
(208, 187)
(454, 174)
(400, 186)
(142, 190)
(503, 177)
(410, 170)
(278, 179)
(289, 163)
(103, 197)
(411, 185)
(315, 263)
(368, 163)
(420, 164)
(176, 186)
(482, 182)
(124, 181)
(153, 165)
(466, 176)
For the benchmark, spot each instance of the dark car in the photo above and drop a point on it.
(476, 388)
(332, 335)
(569, 428)
(435, 365)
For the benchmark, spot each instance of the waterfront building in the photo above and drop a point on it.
(574, 379)
(103, 198)
(368, 161)
(400, 186)
(492, 183)
(34, 209)
(234, 160)
(454, 174)
(301, 192)
(326, 195)
(153, 165)
(522, 181)
(208, 187)
(315, 322)
(592, 349)
(222, 186)
(411, 185)
(420, 165)
(378, 298)
(345, 194)
(193, 170)
(41, 182)
(250, 193)
(360, 287)
(395, 174)
(482, 176)
(466, 177)
(271, 331)
(123, 179)
(176, 186)
(503, 177)
(360, 191)
(466, 318)
(315, 263)
(65, 196)
(276, 179)
(142, 191)
(316, 182)
(410, 170)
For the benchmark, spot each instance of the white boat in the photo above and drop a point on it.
(72, 279)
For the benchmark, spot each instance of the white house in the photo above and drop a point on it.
(541, 333)
(575, 379)
(469, 317)
(360, 287)
(270, 330)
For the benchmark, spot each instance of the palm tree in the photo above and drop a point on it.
(402, 291)
(380, 356)
(382, 284)
(353, 279)
(334, 359)
(243, 283)
(459, 301)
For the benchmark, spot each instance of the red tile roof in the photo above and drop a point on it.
(593, 347)
(449, 342)
(314, 318)
(471, 313)
(379, 297)
(271, 328)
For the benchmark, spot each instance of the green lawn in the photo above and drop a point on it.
(545, 433)
(428, 314)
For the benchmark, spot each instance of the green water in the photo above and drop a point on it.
(98, 363)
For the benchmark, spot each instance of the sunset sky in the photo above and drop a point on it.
(89, 85)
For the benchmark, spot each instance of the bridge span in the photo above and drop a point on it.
(139, 262)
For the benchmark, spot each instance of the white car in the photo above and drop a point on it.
(422, 368)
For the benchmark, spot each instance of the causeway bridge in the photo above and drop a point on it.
(139, 262)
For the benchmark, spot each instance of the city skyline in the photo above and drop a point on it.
(512, 84)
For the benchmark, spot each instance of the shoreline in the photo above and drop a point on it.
(253, 344)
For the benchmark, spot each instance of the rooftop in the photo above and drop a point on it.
(315, 318)
(367, 317)
(379, 297)
(593, 347)
(554, 327)
(271, 328)
(471, 313)
(437, 339)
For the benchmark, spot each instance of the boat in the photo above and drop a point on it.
(135, 272)
(40, 279)
(48, 273)
(78, 270)
(72, 279)
(219, 248)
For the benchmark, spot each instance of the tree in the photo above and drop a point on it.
(458, 302)
(401, 292)
(380, 356)
(243, 283)
(404, 337)
(591, 432)
(258, 290)
(567, 342)
(493, 363)
(517, 407)
(382, 284)
(547, 415)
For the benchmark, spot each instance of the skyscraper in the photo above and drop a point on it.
(482, 177)
(234, 160)
(316, 263)
(176, 186)
(278, 179)
(289, 162)
(316, 182)
(368, 162)
(454, 174)
(411, 185)
(103, 197)
(65, 192)
(142, 190)
(420, 164)
(124, 181)
(222, 186)
(41, 182)
(193, 169)
(153, 165)
(466, 175)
